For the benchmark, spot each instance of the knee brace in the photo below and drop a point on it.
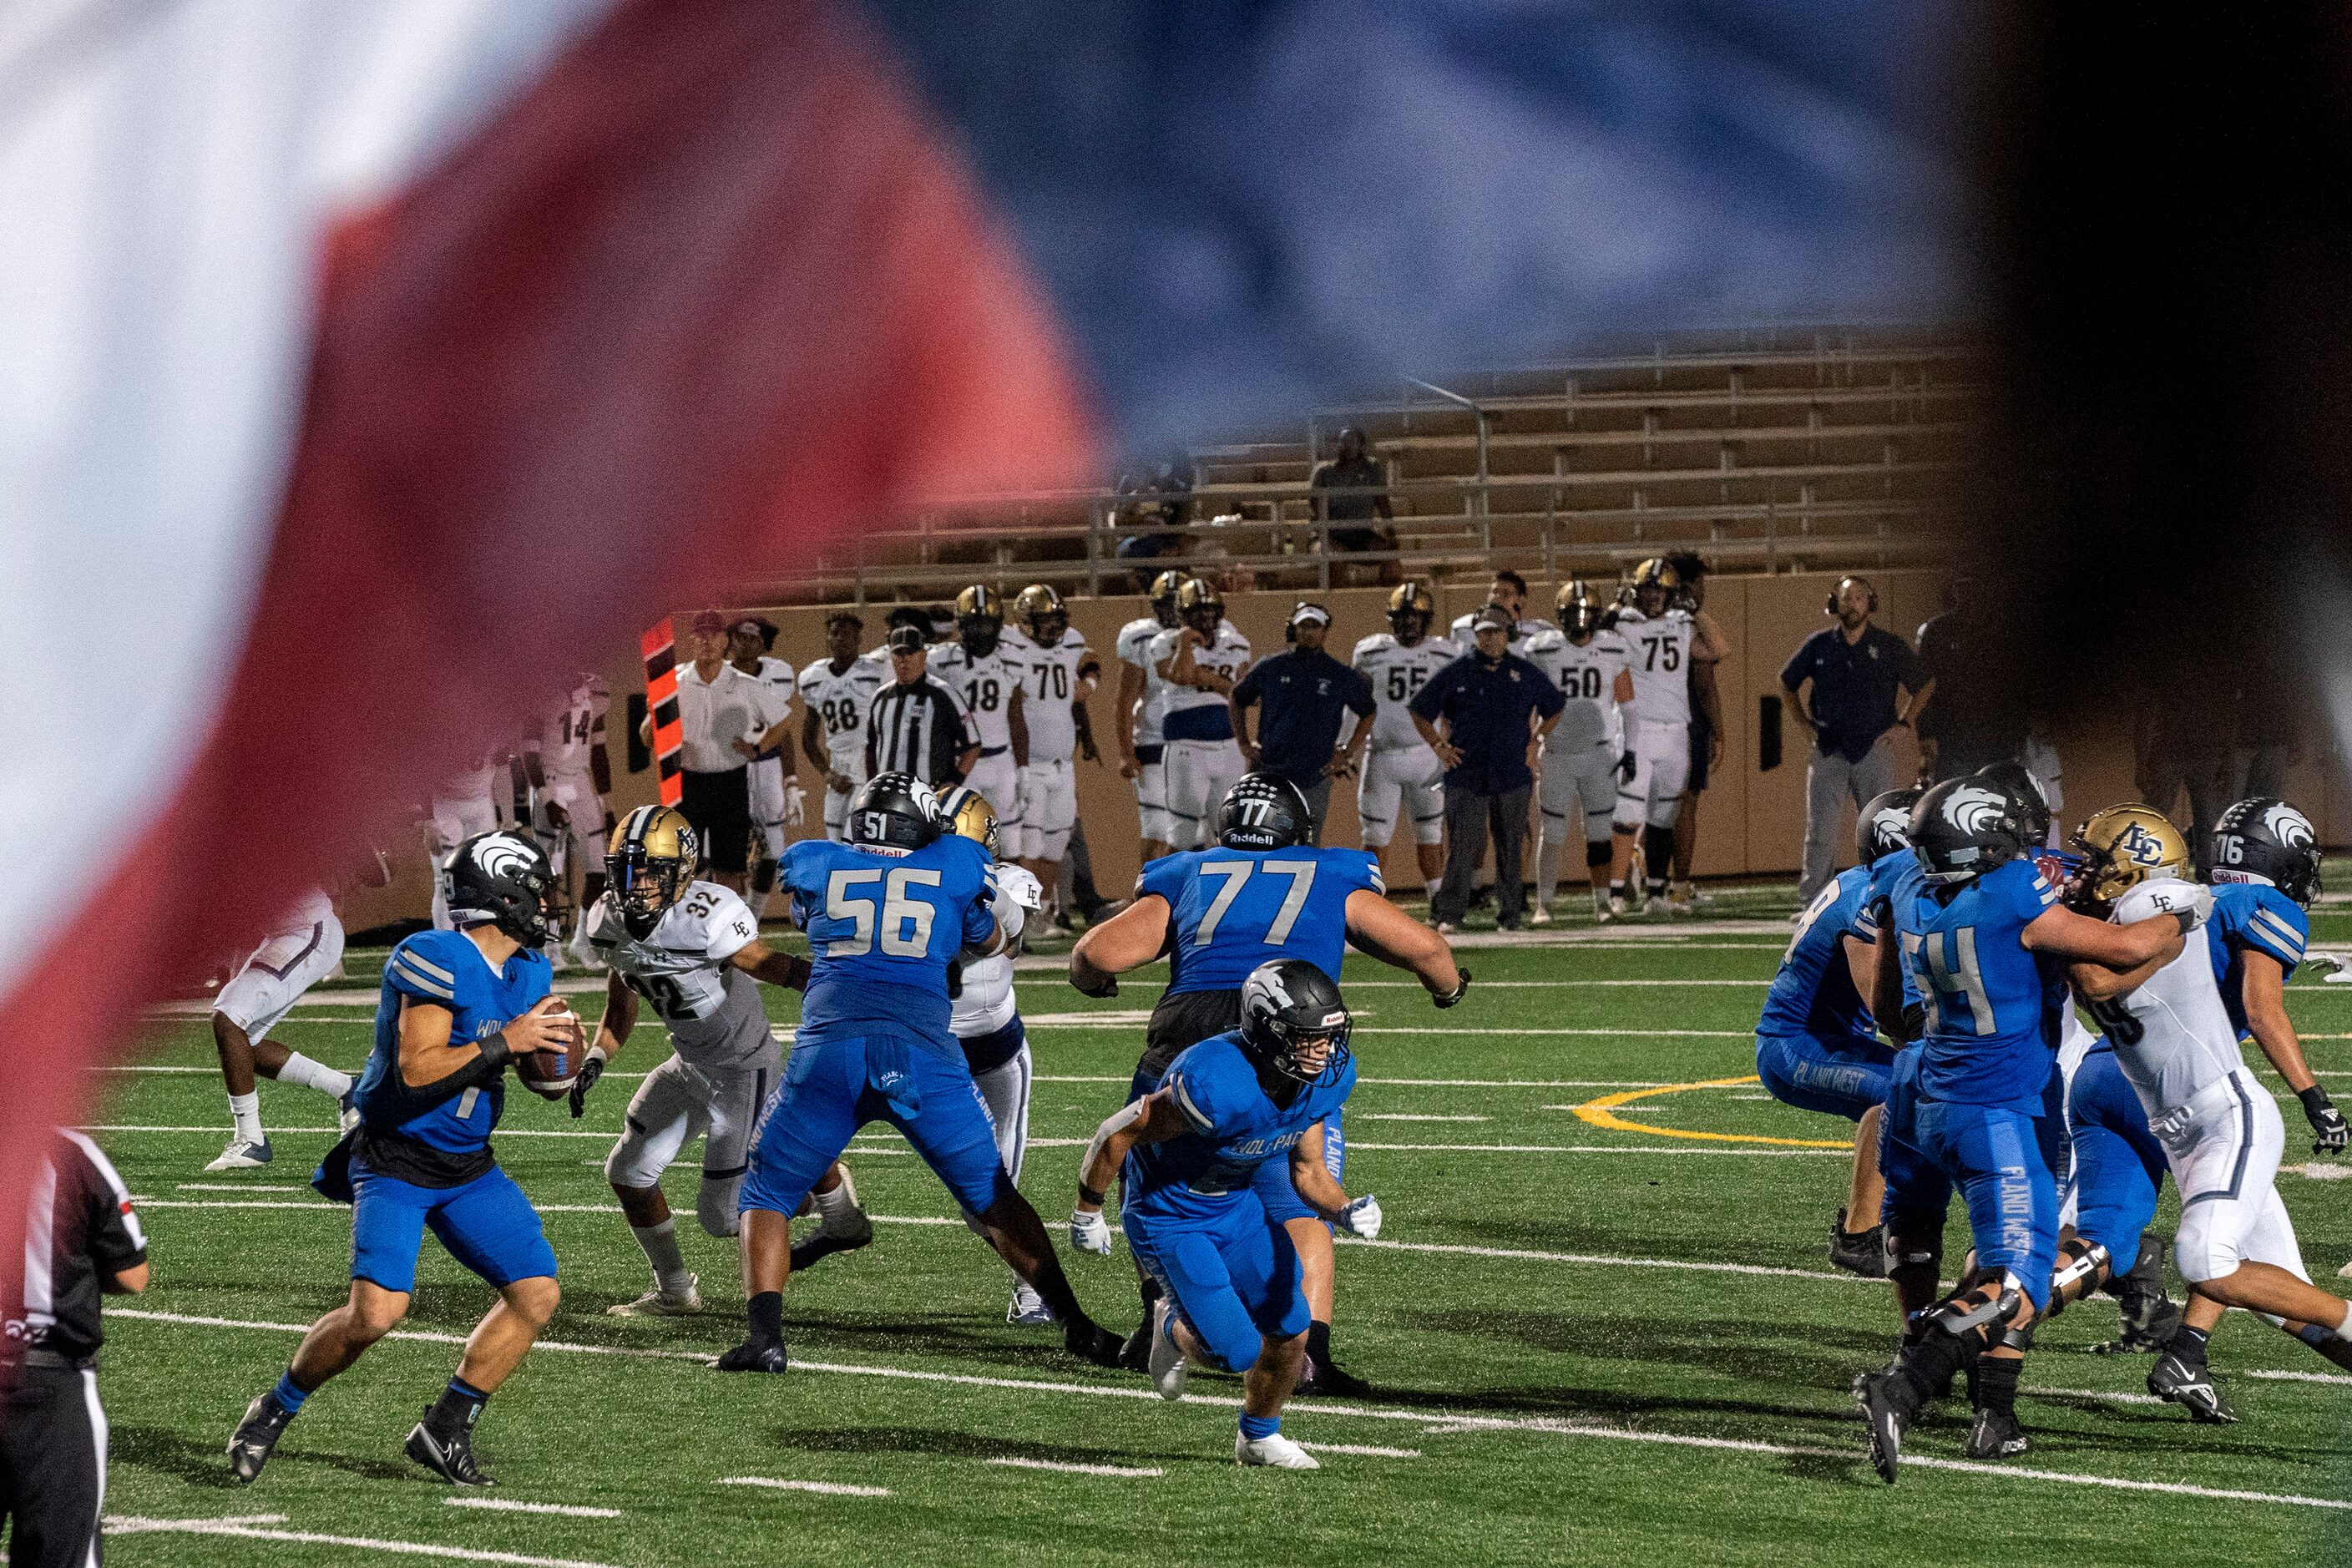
(2083, 1267)
(715, 1205)
(1596, 852)
(1963, 1314)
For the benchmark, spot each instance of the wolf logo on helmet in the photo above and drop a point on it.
(1288, 1007)
(1884, 824)
(894, 811)
(2268, 841)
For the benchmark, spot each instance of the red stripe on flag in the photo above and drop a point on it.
(707, 294)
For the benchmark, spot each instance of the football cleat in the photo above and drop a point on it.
(2193, 1387)
(1540, 915)
(1618, 908)
(1995, 1435)
(1883, 1413)
(1681, 900)
(242, 1154)
(1447, 928)
(1166, 1364)
(250, 1445)
(854, 1234)
(659, 1304)
(1028, 1310)
(1092, 1343)
(449, 1455)
(1274, 1451)
(1332, 1381)
(1858, 1252)
(1135, 1353)
(754, 1355)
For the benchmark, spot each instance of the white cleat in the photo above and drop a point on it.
(1274, 1451)
(1617, 907)
(1447, 928)
(242, 1154)
(1028, 1310)
(1166, 1363)
(1541, 915)
(2344, 1272)
(660, 1303)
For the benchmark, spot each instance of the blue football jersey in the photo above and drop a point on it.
(1233, 910)
(883, 929)
(1815, 994)
(1892, 877)
(1235, 1128)
(2258, 916)
(1986, 1040)
(444, 969)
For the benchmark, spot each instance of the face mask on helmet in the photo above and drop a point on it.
(1293, 1022)
(646, 886)
(2123, 847)
(503, 879)
(980, 634)
(2268, 841)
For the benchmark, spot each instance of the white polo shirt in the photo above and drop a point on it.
(732, 706)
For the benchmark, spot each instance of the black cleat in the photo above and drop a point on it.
(250, 1445)
(1995, 1436)
(1091, 1342)
(2193, 1387)
(1885, 1412)
(2150, 1317)
(1332, 1381)
(1862, 1252)
(1136, 1353)
(824, 1245)
(450, 1455)
(754, 1355)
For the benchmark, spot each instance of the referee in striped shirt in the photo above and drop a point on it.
(81, 1241)
(919, 724)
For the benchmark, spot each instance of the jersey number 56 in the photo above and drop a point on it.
(905, 922)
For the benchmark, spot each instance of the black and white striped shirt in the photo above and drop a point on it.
(920, 729)
(81, 1231)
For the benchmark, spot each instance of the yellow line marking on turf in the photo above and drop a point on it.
(1601, 1112)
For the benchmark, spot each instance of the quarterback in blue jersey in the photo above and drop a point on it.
(1817, 1046)
(1265, 892)
(1977, 930)
(887, 913)
(457, 1007)
(1254, 1097)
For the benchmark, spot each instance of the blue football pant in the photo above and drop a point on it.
(1992, 1155)
(1235, 1280)
(2118, 1164)
(1800, 1070)
(486, 1225)
(826, 1096)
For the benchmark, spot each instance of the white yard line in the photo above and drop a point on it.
(133, 1525)
(1363, 1450)
(1408, 1116)
(512, 1505)
(827, 1489)
(1427, 1419)
(1143, 1472)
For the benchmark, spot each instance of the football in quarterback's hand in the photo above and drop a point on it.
(549, 1073)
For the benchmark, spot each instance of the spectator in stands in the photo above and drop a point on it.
(1496, 707)
(1349, 493)
(1968, 712)
(1162, 505)
(1855, 669)
(1710, 646)
(1306, 694)
(919, 723)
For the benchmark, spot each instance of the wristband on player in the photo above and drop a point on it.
(1461, 989)
(1089, 1196)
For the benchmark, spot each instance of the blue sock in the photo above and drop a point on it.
(1257, 1427)
(288, 1393)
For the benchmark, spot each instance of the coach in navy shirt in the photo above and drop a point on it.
(1306, 694)
(1854, 668)
(1495, 705)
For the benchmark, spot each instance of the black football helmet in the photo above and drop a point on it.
(1288, 1006)
(1264, 811)
(1964, 827)
(1412, 609)
(896, 810)
(2268, 840)
(1884, 824)
(2018, 780)
(504, 880)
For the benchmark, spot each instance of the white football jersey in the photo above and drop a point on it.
(1658, 652)
(777, 682)
(477, 781)
(839, 699)
(1055, 679)
(984, 1004)
(569, 738)
(1397, 673)
(1587, 678)
(2171, 1034)
(1228, 655)
(987, 685)
(1465, 630)
(1134, 647)
(711, 1008)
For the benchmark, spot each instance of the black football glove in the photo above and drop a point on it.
(2326, 1122)
(1109, 986)
(589, 1071)
(1459, 992)
(1625, 767)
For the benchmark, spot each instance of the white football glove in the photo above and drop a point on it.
(795, 804)
(1019, 884)
(1362, 1217)
(1090, 1232)
(2166, 895)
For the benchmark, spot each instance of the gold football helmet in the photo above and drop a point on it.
(651, 857)
(1164, 589)
(1408, 600)
(1039, 606)
(2125, 846)
(1200, 606)
(979, 602)
(1578, 611)
(968, 815)
(1659, 574)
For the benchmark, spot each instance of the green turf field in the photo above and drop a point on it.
(1593, 1344)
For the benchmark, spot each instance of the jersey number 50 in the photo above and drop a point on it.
(906, 922)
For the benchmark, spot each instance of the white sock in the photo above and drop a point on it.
(301, 1069)
(660, 1245)
(245, 1110)
(1547, 873)
(839, 1207)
